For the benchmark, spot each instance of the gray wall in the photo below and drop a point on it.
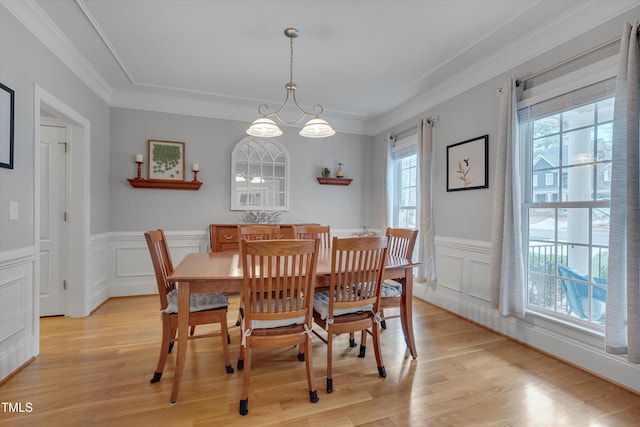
(209, 143)
(467, 214)
(24, 62)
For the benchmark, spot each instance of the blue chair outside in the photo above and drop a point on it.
(578, 294)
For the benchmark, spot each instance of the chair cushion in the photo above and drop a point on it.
(321, 305)
(266, 324)
(199, 302)
(391, 289)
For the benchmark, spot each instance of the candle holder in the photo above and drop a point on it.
(195, 176)
(139, 170)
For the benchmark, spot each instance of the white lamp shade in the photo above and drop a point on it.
(265, 128)
(317, 128)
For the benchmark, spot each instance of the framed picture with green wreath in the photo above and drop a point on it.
(166, 160)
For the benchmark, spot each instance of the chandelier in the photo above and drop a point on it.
(314, 128)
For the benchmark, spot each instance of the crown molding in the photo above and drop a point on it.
(218, 110)
(35, 20)
(557, 31)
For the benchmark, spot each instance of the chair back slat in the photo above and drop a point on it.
(401, 242)
(162, 265)
(357, 266)
(279, 278)
(322, 232)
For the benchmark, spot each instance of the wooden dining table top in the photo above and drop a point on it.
(227, 267)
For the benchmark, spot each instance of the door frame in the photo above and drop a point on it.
(79, 204)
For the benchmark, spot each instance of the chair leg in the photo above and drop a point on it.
(224, 336)
(192, 330)
(240, 364)
(363, 344)
(172, 334)
(352, 339)
(378, 350)
(329, 360)
(383, 323)
(301, 352)
(244, 396)
(165, 349)
(313, 393)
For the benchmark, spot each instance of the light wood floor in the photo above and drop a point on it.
(96, 370)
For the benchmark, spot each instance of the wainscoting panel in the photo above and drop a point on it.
(471, 300)
(130, 271)
(99, 291)
(449, 267)
(478, 272)
(131, 262)
(18, 302)
(13, 310)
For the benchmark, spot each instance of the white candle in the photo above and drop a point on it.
(195, 167)
(139, 158)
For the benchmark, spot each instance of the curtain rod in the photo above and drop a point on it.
(413, 129)
(573, 58)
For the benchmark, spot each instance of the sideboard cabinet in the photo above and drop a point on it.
(224, 237)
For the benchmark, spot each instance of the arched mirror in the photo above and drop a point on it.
(259, 175)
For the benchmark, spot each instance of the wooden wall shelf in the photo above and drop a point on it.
(164, 183)
(334, 181)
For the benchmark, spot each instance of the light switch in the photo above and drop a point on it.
(13, 209)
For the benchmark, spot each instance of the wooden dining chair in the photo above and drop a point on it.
(322, 232)
(257, 232)
(401, 244)
(352, 302)
(205, 308)
(279, 278)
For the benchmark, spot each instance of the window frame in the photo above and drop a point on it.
(587, 76)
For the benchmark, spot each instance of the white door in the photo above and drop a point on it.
(53, 229)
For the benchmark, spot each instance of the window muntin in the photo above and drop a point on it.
(567, 219)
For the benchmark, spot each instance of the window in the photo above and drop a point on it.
(568, 139)
(405, 191)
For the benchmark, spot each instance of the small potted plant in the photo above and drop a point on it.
(326, 172)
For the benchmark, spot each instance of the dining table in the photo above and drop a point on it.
(202, 272)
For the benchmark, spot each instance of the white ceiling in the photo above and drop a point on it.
(367, 62)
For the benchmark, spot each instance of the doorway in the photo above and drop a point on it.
(77, 201)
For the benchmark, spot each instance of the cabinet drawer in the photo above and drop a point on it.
(227, 235)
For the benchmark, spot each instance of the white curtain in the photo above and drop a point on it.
(387, 198)
(622, 329)
(507, 265)
(426, 245)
